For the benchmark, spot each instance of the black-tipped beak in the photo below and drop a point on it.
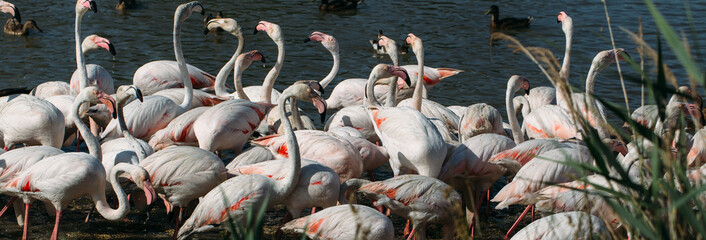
(380, 33)
(323, 116)
(527, 91)
(111, 48)
(203, 10)
(255, 32)
(206, 31)
(17, 14)
(321, 88)
(262, 57)
(307, 40)
(94, 7)
(139, 93)
(320, 105)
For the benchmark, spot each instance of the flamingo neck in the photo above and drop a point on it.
(237, 79)
(99, 197)
(296, 117)
(391, 99)
(512, 117)
(91, 141)
(183, 70)
(136, 146)
(564, 72)
(370, 88)
(220, 84)
(419, 87)
(591, 105)
(334, 70)
(80, 62)
(269, 82)
(286, 187)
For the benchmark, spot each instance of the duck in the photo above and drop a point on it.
(506, 23)
(339, 5)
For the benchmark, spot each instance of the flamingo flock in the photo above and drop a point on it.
(163, 137)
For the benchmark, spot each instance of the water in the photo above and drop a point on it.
(455, 35)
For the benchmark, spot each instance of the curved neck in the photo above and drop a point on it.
(370, 88)
(334, 70)
(591, 105)
(564, 72)
(296, 117)
(91, 141)
(269, 82)
(238, 81)
(99, 197)
(183, 70)
(294, 158)
(419, 87)
(136, 146)
(512, 118)
(80, 62)
(220, 84)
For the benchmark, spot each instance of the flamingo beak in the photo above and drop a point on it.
(320, 105)
(260, 27)
(149, 191)
(109, 102)
(111, 48)
(401, 73)
(94, 6)
(138, 93)
(16, 14)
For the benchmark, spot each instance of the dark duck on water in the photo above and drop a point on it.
(506, 23)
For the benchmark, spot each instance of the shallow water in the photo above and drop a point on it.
(455, 35)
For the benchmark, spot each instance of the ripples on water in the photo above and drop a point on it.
(455, 35)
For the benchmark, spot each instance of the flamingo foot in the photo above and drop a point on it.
(12, 200)
(24, 228)
(509, 232)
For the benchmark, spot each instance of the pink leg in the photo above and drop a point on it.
(411, 234)
(313, 210)
(88, 216)
(12, 200)
(178, 221)
(532, 213)
(279, 233)
(55, 233)
(24, 229)
(379, 208)
(406, 228)
(487, 200)
(6, 148)
(78, 140)
(507, 236)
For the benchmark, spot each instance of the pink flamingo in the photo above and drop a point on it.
(344, 222)
(95, 74)
(145, 118)
(250, 192)
(412, 141)
(418, 198)
(62, 178)
(33, 121)
(328, 150)
(480, 118)
(9, 8)
(14, 25)
(373, 156)
(568, 225)
(697, 153)
(266, 93)
(229, 125)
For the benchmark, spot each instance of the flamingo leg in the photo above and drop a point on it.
(5, 148)
(487, 198)
(406, 229)
(178, 221)
(12, 200)
(532, 220)
(285, 219)
(411, 234)
(78, 140)
(55, 233)
(509, 232)
(88, 216)
(313, 210)
(371, 175)
(24, 229)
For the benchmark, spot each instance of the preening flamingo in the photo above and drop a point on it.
(480, 118)
(373, 156)
(62, 178)
(145, 118)
(421, 199)
(251, 192)
(250, 155)
(568, 225)
(229, 125)
(411, 139)
(344, 222)
(32, 121)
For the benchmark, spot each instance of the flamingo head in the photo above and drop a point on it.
(227, 24)
(125, 93)
(606, 57)
(618, 146)
(109, 102)
(93, 95)
(248, 57)
(315, 92)
(415, 42)
(141, 178)
(82, 6)
(328, 41)
(273, 30)
(567, 23)
(10, 8)
(523, 83)
(94, 42)
(400, 72)
(185, 10)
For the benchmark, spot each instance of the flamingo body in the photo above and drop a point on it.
(344, 222)
(33, 121)
(163, 74)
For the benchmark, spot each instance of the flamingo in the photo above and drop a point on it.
(266, 93)
(9, 8)
(229, 125)
(250, 155)
(233, 198)
(373, 156)
(95, 74)
(344, 222)
(697, 153)
(14, 25)
(30, 120)
(568, 225)
(62, 178)
(480, 118)
(412, 141)
(145, 118)
(338, 154)
(318, 185)
(418, 198)
(506, 23)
